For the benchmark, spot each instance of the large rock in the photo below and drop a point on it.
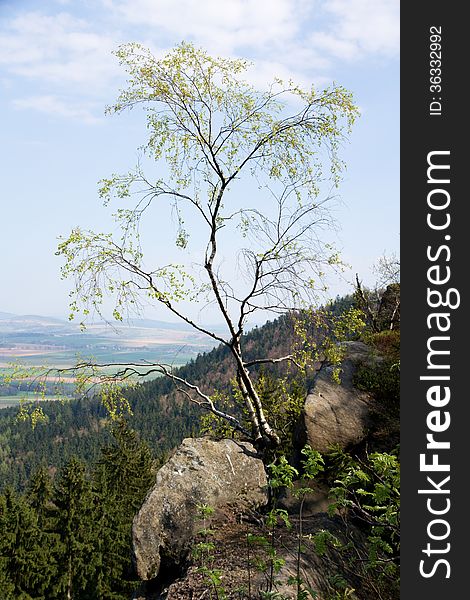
(202, 471)
(337, 413)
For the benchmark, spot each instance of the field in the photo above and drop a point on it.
(9, 401)
(38, 343)
(169, 354)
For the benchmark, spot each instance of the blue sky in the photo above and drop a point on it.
(57, 74)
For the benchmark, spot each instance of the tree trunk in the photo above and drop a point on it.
(263, 434)
(69, 580)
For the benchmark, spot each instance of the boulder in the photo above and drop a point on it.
(337, 413)
(202, 471)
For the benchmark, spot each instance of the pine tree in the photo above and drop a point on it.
(6, 584)
(75, 503)
(25, 554)
(123, 477)
(128, 467)
(39, 495)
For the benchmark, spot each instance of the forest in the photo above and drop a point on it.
(73, 484)
(160, 416)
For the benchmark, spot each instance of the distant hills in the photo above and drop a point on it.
(5, 315)
(10, 321)
(37, 340)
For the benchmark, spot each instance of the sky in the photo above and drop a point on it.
(58, 73)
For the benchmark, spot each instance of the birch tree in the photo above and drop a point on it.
(252, 172)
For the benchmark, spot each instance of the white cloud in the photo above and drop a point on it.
(342, 28)
(56, 106)
(272, 34)
(361, 27)
(67, 53)
(334, 46)
(218, 25)
(63, 59)
(59, 49)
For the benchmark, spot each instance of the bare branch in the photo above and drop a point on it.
(262, 361)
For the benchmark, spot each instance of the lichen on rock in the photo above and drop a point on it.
(201, 472)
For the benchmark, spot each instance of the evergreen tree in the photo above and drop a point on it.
(6, 584)
(123, 477)
(25, 554)
(127, 466)
(75, 503)
(72, 539)
(39, 495)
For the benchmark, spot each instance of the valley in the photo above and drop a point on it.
(38, 342)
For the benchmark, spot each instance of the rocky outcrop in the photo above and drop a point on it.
(202, 471)
(337, 413)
